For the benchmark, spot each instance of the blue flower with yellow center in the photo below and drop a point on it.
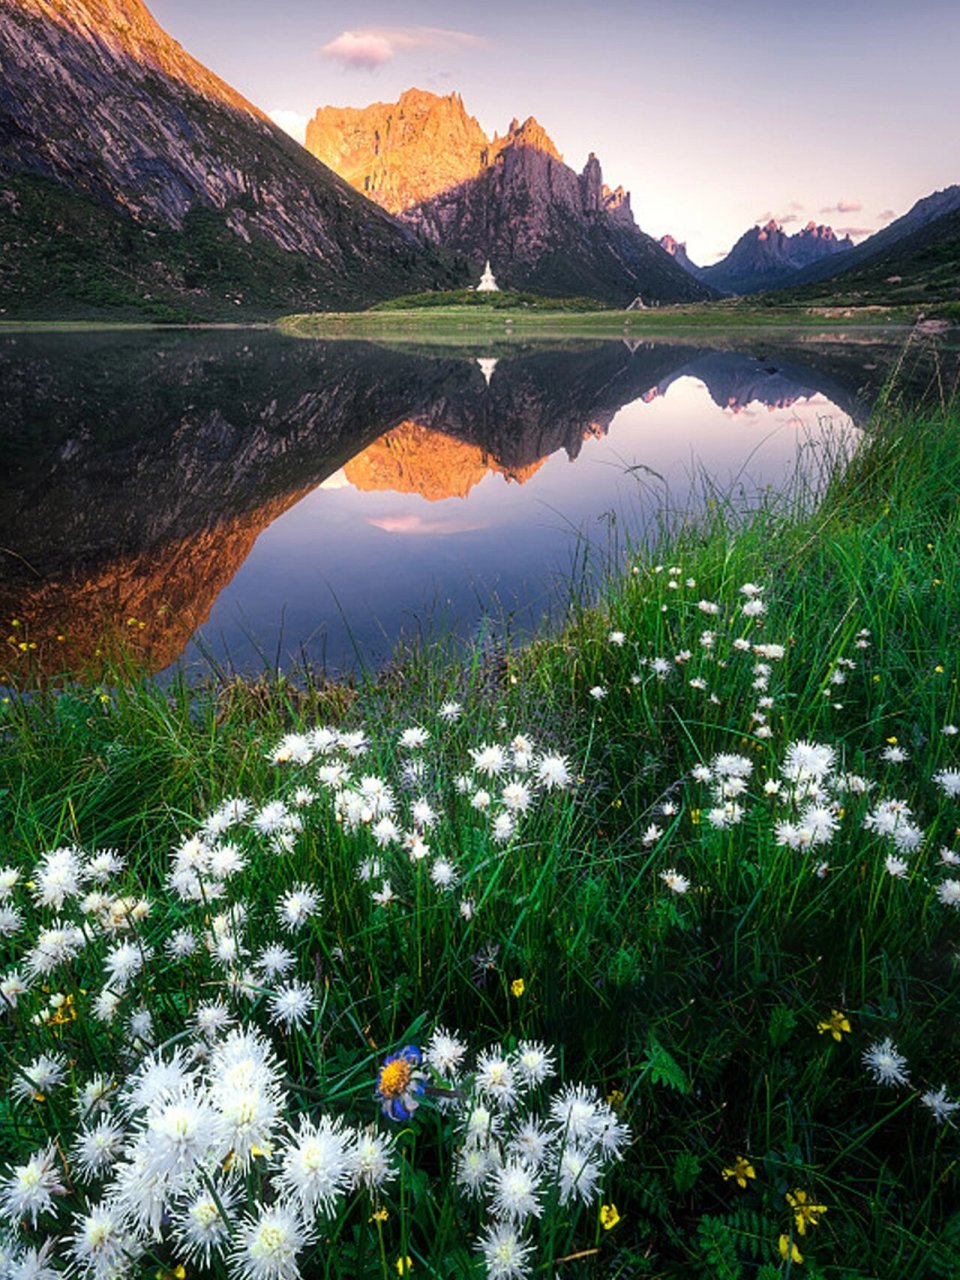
(400, 1084)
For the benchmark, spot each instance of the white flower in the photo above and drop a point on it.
(949, 893)
(489, 759)
(275, 961)
(532, 1143)
(180, 944)
(467, 908)
(579, 1176)
(949, 780)
(317, 1167)
(444, 1053)
(515, 796)
(201, 1230)
(12, 987)
(514, 1192)
(297, 906)
(266, 1244)
(180, 1134)
(598, 692)
(122, 963)
(450, 712)
(496, 1079)
(617, 637)
(412, 739)
(211, 1017)
(950, 730)
(896, 867)
(651, 835)
(385, 896)
(100, 1246)
(730, 765)
(554, 771)
(58, 877)
(504, 826)
(506, 1255)
(727, 815)
(373, 1159)
(750, 590)
(941, 1107)
(28, 1189)
(96, 1149)
(274, 817)
(753, 609)
(885, 1064)
(773, 652)
(708, 606)
(949, 858)
(535, 1062)
(443, 874)
(576, 1112)
(475, 1163)
(675, 882)
(9, 879)
(293, 747)
(34, 1081)
(894, 755)
(807, 760)
(291, 1005)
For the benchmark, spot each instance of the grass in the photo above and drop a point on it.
(442, 317)
(686, 923)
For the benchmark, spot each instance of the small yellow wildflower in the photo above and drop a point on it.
(836, 1024)
(517, 987)
(740, 1171)
(789, 1250)
(695, 817)
(404, 1265)
(805, 1212)
(892, 741)
(379, 1215)
(615, 1099)
(609, 1216)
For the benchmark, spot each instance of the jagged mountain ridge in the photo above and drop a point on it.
(892, 250)
(509, 198)
(767, 257)
(107, 115)
(677, 250)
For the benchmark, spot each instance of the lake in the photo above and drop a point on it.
(241, 499)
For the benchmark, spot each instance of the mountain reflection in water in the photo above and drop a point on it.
(141, 470)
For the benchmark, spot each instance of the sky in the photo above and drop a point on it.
(714, 114)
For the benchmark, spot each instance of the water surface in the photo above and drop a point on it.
(257, 498)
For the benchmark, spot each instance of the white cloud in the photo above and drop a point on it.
(291, 122)
(843, 206)
(367, 49)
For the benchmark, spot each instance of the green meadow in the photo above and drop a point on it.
(632, 952)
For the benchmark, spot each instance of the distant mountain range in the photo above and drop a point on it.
(133, 178)
(915, 259)
(767, 257)
(510, 199)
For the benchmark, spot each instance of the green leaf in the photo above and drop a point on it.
(782, 1024)
(686, 1170)
(663, 1068)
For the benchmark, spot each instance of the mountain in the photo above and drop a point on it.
(767, 258)
(132, 177)
(922, 248)
(511, 199)
(677, 250)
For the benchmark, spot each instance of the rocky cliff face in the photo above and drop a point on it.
(767, 258)
(97, 99)
(509, 198)
(677, 250)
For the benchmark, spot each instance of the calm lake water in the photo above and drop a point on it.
(254, 498)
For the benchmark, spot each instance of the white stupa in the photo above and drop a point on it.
(487, 283)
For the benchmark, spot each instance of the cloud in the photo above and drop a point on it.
(291, 122)
(855, 232)
(417, 525)
(843, 206)
(887, 216)
(372, 47)
(784, 219)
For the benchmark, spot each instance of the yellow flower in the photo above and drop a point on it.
(805, 1212)
(836, 1024)
(379, 1215)
(404, 1265)
(517, 987)
(740, 1171)
(615, 1099)
(608, 1216)
(695, 817)
(789, 1250)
